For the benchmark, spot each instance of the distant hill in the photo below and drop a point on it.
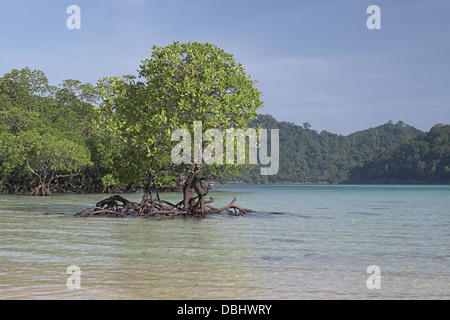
(424, 159)
(307, 156)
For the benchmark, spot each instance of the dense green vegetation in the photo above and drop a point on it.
(178, 86)
(307, 156)
(76, 138)
(119, 135)
(424, 159)
(45, 132)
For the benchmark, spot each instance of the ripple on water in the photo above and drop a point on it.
(318, 247)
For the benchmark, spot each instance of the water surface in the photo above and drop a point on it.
(318, 248)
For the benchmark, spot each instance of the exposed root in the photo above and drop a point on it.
(117, 206)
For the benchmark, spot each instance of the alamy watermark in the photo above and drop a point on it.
(374, 281)
(74, 280)
(374, 21)
(74, 20)
(237, 151)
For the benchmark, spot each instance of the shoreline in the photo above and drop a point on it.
(400, 183)
(220, 186)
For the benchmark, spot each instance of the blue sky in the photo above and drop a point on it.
(315, 61)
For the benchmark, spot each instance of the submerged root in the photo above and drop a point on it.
(117, 206)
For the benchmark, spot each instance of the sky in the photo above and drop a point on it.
(315, 61)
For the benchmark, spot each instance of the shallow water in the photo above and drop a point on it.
(318, 248)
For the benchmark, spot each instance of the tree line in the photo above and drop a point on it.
(58, 139)
(308, 156)
(117, 136)
(422, 160)
(47, 137)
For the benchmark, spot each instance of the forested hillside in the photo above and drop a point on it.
(424, 159)
(49, 142)
(307, 156)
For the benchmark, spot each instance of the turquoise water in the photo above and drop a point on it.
(319, 247)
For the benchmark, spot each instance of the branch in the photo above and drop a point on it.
(67, 175)
(28, 165)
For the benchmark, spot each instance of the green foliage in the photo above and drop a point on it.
(109, 180)
(79, 137)
(424, 159)
(307, 156)
(50, 152)
(177, 85)
(42, 133)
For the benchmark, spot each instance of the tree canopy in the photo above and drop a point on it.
(424, 159)
(43, 130)
(307, 156)
(119, 135)
(179, 84)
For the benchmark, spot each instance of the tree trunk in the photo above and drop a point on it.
(42, 189)
(200, 207)
(190, 206)
(188, 192)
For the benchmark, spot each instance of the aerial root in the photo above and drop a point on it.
(117, 206)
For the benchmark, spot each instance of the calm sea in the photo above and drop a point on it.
(319, 247)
